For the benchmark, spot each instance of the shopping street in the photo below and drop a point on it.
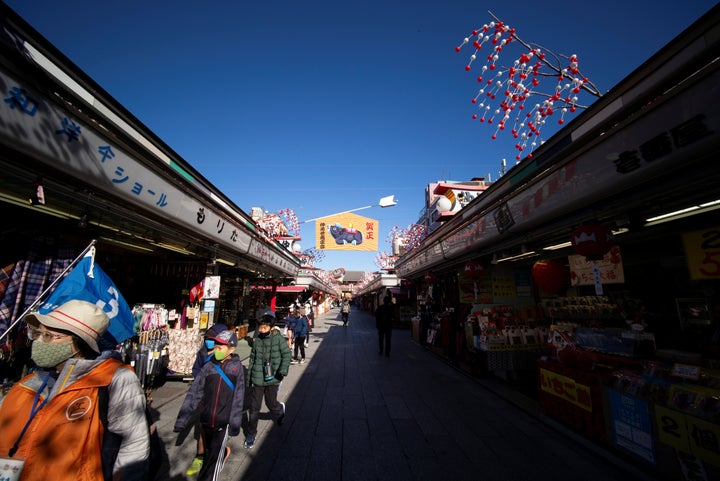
(354, 415)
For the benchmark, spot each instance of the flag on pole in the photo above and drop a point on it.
(88, 282)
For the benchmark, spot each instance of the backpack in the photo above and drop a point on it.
(155, 458)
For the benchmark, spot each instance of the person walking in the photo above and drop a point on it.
(384, 318)
(310, 314)
(204, 355)
(81, 416)
(268, 364)
(219, 392)
(297, 333)
(345, 311)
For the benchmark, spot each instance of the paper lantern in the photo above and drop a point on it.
(474, 269)
(592, 241)
(550, 276)
(429, 277)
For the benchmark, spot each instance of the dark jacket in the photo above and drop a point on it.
(384, 317)
(274, 348)
(202, 357)
(301, 327)
(220, 404)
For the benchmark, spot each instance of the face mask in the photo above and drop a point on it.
(220, 355)
(263, 335)
(50, 354)
(209, 344)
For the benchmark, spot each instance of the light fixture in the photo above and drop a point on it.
(42, 208)
(562, 245)
(225, 261)
(126, 244)
(522, 255)
(686, 212)
(83, 222)
(173, 248)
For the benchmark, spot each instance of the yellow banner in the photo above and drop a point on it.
(702, 250)
(346, 232)
(566, 388)
(688, 434)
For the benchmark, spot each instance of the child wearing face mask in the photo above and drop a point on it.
(219, 390)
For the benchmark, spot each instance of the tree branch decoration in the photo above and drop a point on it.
(514, 86)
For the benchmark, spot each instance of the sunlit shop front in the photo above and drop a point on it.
(80, 175)
(589, 274)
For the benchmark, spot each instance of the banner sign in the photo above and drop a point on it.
(566, 388)
(702, 250)
(688, 434)
(610, 269)
(346, 232)
(632, 425)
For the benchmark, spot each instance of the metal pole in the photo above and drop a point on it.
(339, 213)
(49, 288)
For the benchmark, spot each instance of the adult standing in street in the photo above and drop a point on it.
(268, 364)
(345, 311)
(297, 334)
(81, 416)
(384, 318)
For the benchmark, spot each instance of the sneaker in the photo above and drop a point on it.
(294, 361)
(302, 361)
(249, 441)
(195, 466)
(282, 414)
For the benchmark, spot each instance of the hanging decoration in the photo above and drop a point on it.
(505, 98)
(592, 241)
(429, 277)
(474, 269)
(549, 275)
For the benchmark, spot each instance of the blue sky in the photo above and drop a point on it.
(326, 106)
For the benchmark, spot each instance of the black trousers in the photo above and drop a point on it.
(257, 393)
(215, 441)
(384, 339)
(299, 344)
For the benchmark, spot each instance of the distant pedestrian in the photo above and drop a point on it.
(219, 391)
(204, 355)
(310, 314)
(345, 311)
(267, 366)
(297, 333)
(384, 318)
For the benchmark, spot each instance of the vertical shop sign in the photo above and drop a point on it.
(212, 287)
(631, 425)
(702, 250)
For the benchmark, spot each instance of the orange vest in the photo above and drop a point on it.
(64, 439)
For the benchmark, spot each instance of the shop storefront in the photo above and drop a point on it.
(79, 168)
(590, 273)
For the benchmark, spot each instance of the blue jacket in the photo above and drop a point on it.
(301, 327)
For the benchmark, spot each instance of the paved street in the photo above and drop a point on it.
(355, 416)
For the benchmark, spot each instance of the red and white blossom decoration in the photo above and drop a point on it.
(505, 99)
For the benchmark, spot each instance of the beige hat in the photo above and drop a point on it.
(83, 318)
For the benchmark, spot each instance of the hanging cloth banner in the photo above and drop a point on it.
(346, 232)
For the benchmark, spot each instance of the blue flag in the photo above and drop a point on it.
(88, 282)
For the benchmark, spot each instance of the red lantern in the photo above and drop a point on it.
(474, 269)
(592, 241)
(550, 276)
(429, 277)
